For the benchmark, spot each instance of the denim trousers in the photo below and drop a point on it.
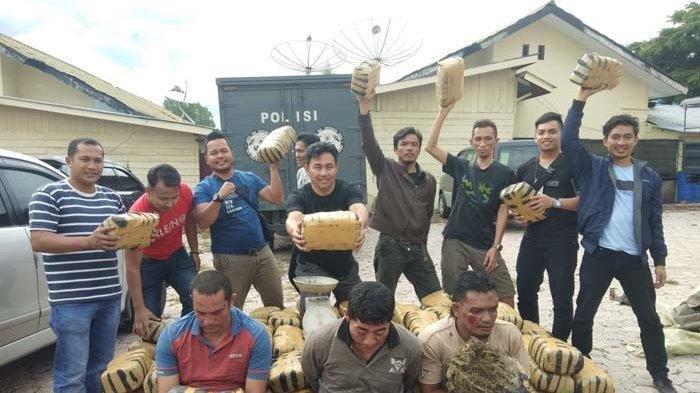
(558, 257)
(597, 271)
(177, 271)
(86, 334)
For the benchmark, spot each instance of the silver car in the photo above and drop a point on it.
(24, 305)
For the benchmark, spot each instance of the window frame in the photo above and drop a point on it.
(12, 202)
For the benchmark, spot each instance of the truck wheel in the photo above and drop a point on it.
(443, 209)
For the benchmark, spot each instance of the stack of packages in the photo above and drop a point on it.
(433, 307)
(135, 368)
(555, 366)
(285, 330)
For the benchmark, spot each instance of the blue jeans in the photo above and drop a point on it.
(86, 334)
(177, 271)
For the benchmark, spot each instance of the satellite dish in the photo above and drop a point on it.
(307, 56)
(386, 40)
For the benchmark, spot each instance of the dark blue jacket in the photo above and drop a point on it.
(597, 194)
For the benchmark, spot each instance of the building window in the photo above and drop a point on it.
(540, 52)
(526, 49)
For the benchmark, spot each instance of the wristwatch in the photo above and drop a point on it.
(556, 203)
(218, 198)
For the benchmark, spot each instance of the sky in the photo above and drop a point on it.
(147, 47)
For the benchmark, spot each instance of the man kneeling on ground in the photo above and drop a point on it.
(473, 314)
(363, 352)
(217, 347)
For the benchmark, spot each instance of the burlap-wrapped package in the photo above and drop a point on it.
(544, 381)
(592, 379)
(555, 356)
(280, 318)
(437, 298)
(400, 311)
(365, 78)
(134, 229)
(287, 339)
(440, 311)
(508, 314)
(263, 313)
(276, 145)
(416, 321)
(331, 231)
(187, 389)
(126, 372)
(517, 196)
(479, 368)
(286, 374)
(593, 71)
(343, 308)
(449, 86)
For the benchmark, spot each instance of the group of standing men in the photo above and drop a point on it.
(619, 215)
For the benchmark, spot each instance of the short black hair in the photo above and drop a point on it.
(483, 123)
(472, 281)
(402, 133)
(625, 120)
(371, 302)
(165, 173)
(308, 139)
(216, 134)
(318, 148)
(73, 145)
(210, 282)
(547, 117)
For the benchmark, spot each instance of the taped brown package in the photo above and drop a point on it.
(517, 196)
(593, 71)
(331, 231)
(276, 145)
(365, 78)
(134, 229)
(449, 86)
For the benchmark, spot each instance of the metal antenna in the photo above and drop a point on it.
(307, 56)
(385, 40)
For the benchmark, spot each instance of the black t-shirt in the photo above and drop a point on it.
(558, 182)
(476, 201)
(307, 201)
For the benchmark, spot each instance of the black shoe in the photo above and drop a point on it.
(664, 385)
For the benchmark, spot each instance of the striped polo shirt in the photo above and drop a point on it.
(80, 276)
(246, 353)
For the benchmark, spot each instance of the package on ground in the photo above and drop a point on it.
(126, 372)
(437, 298)
(533, 329)
(555, 356)
(593, 71)
(400, 310)
(150, 383)
(276, 145)
(279, 318)
(449, 87)
(140, 344)
(263, 313)
(331, 231)
(286, 374)
(550, 382)
(592, 379)
(287, 339)
(153, 331)
(440, 311)
(417, 320)
(134, 229)
(508, 313)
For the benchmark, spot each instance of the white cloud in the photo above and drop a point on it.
(147, 47)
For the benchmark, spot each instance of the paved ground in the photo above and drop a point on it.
(615, 324)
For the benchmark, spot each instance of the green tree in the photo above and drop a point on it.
(199, 114)
(676, 50)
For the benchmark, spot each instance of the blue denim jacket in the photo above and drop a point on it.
(597, 194)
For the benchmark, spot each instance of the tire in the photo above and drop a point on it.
(443, 209)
